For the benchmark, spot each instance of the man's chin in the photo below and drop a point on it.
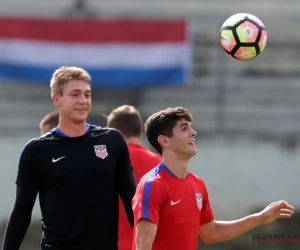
(80, 119)
(193, 153)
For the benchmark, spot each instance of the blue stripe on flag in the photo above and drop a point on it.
(112, 77)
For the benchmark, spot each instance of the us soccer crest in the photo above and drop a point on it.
(199, 200)
(101, 151)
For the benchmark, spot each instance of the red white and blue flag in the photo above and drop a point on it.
(117, 53)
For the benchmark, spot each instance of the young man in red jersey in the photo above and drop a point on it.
(171, 205)
(128, 121)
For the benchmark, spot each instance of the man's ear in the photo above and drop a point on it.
(55, 98)
(163, 141)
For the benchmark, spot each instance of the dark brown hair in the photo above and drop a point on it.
(162, 123)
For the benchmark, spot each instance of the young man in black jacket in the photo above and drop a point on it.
(79, 170)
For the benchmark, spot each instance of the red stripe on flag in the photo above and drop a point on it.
(93, 31)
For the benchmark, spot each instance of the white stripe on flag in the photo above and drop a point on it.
(95, 56)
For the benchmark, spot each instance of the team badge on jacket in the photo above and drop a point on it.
(101, 151)
(199, 200)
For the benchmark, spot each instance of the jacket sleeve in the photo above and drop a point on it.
(126, 182)
(20, 218)
(27, 189)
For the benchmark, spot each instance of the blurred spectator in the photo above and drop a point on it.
(128, 121)
(49, 122)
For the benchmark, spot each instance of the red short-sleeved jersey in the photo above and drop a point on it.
(177, 206)
(142, 160)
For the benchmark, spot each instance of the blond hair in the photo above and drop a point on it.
(65, 74)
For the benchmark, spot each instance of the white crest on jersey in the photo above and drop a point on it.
(101, 151)
(199, 200)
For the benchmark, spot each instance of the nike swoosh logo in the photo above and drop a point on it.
(174, 202)
(55, 160)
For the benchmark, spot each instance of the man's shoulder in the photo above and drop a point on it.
(143, 150)
(97, 130)
(144, 153)
(153, 177)
(35, 143)
(44, 139)
(153, 184)
(196, 179)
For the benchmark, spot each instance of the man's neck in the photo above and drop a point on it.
(72, 129)
(177, 165)
(133, 140)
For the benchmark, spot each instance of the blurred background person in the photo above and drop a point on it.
(49, 122)
(128, 121)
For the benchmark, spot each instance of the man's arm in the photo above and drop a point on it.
(27, 189)
(127, 185)
(146, 207)
(146, 232)
(126, 182)
(19, 220)
(218, 231)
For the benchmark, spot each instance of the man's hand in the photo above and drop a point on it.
(276, 210)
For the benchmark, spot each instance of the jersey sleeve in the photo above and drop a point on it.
(207, 214)
(125, 179)
(27, 176)
(148, 200)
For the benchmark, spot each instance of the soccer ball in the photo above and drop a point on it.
(243, 36)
